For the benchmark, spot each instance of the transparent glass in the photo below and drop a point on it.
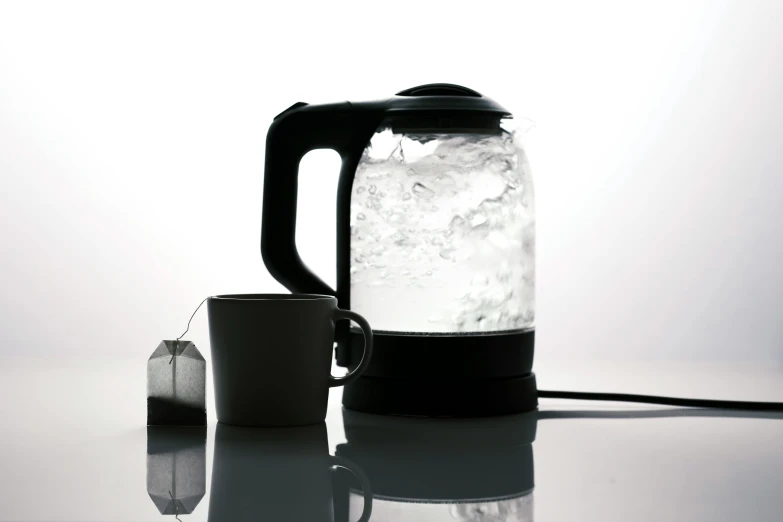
(443, 233)
(513, 509)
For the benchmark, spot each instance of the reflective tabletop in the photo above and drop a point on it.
(75, 447)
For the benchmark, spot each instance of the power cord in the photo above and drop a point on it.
(669, 401)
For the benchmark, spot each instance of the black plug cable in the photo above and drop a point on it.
(669, 401)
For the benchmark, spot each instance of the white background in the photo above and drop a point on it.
(131, 173)
(132, 147)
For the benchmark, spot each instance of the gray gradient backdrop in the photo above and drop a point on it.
(132, 146)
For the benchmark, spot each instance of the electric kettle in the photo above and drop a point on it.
(435, 246)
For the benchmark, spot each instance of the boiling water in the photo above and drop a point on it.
(442, 234)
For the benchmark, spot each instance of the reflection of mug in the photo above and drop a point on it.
(276, 474)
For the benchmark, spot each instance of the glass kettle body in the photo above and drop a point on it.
(435, 246)
(442, 232)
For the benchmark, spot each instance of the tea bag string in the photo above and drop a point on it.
(188, 327)
(176, 507)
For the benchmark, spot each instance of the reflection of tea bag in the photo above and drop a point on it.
(176, 468)
(176, 385)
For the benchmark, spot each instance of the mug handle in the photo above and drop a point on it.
(366, 354)
(363, 481)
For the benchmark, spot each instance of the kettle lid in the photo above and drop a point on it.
(439, 89)
(443, 107)
(443, 96)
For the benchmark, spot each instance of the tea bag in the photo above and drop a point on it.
(176, 467)
(176, 385)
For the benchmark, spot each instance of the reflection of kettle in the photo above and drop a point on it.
(435, 246)
(277, 474)
(441, 469)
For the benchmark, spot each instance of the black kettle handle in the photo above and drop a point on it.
(301, 128)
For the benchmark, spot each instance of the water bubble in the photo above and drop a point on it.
(480, 280)
(398, 154)
(373, 189)
(437, 241)
(446, 180)
(360, 216)
(428, 272)
(422, 191)
(354, 269)
(406, 196)
(457, 222)
(380, 174)
(400, 239)
(500, 164)
(478, 220)
(384, 275)
(360, 190)
(446, 253)
(359, 258)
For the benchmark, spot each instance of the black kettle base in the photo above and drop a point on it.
(442, 398)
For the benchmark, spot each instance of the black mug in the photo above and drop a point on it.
(277, 474)
(271, 357)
